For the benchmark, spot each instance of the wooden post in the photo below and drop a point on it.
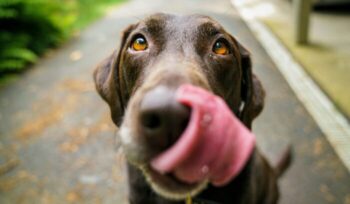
(302, 9)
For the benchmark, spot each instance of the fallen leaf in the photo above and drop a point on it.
(76, 55)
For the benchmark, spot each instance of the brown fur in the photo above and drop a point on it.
(180, 52)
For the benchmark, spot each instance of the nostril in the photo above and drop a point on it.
(151, 121)
(183, 116)
(184, 124)
(162, 119)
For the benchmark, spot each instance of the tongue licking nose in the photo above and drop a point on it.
(215, 145)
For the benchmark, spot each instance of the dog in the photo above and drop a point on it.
(156, 56)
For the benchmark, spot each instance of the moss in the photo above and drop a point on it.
(329, 68)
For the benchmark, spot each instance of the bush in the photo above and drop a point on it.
(28, 28)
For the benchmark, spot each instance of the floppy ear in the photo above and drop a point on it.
(107, 80)
(252, 92)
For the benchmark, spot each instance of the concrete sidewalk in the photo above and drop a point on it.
(57, 142)
(327, 56)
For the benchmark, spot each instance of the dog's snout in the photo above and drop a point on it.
(162, 119)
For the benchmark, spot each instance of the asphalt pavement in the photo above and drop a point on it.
(57, 141)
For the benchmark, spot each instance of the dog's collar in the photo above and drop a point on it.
(203, 201)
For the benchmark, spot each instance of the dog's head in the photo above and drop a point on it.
(156, 56)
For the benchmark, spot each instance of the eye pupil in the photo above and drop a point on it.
(218, 45)
(220, 48)
(140, 41)
(139, 44)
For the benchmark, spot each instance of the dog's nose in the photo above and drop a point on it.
(162, 118)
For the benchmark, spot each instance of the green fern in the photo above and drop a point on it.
(12, 65)
(27, 29)
(19, 53)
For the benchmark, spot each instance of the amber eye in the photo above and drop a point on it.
(220, 48)
(139, 44)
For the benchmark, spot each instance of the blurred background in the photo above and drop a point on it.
(57, 141)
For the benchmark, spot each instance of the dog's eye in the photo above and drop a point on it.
(139, 44)
(220, 48)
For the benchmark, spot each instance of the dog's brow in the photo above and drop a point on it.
(208, 28)
(154, 25)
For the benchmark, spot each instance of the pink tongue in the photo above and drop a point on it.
(214, 146)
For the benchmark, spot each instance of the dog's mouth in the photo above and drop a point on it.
(169, 186)
(214, 147)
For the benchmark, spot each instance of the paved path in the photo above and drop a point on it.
(57, 142)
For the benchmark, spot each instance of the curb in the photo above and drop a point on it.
(331, 122)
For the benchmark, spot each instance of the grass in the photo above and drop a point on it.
(8, 78)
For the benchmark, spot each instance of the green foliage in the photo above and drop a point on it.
(90, 10)
(29, 27)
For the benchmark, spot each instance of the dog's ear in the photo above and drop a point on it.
(252, 92)
(107, 80)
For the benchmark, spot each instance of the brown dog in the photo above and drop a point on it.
(156, 56)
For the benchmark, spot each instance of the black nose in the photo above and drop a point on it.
(162, 118)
